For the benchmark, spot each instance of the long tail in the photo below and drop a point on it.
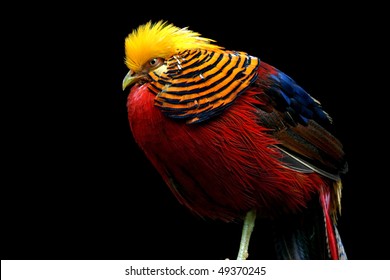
(311, 235)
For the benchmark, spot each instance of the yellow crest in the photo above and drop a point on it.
(161, 40)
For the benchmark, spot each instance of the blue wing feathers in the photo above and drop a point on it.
(290, 97)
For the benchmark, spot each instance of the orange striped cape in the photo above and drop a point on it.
(199, 84)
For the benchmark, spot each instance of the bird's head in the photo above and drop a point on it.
(149, 46)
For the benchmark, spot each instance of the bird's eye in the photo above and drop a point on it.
(155, 62)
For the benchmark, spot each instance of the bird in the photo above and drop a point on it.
(235, 139)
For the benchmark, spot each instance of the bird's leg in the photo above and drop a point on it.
(247, 228)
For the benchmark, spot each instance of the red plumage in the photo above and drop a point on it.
(223, 168)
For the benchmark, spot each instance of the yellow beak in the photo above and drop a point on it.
(130, 79)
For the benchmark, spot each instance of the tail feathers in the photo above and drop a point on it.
(305, 237)
(294, 245)
(340, 246)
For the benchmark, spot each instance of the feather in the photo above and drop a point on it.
(301, 237)
(161, 39)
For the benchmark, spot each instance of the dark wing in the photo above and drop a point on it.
(299, 123)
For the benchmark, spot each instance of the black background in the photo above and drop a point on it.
(75, 184)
